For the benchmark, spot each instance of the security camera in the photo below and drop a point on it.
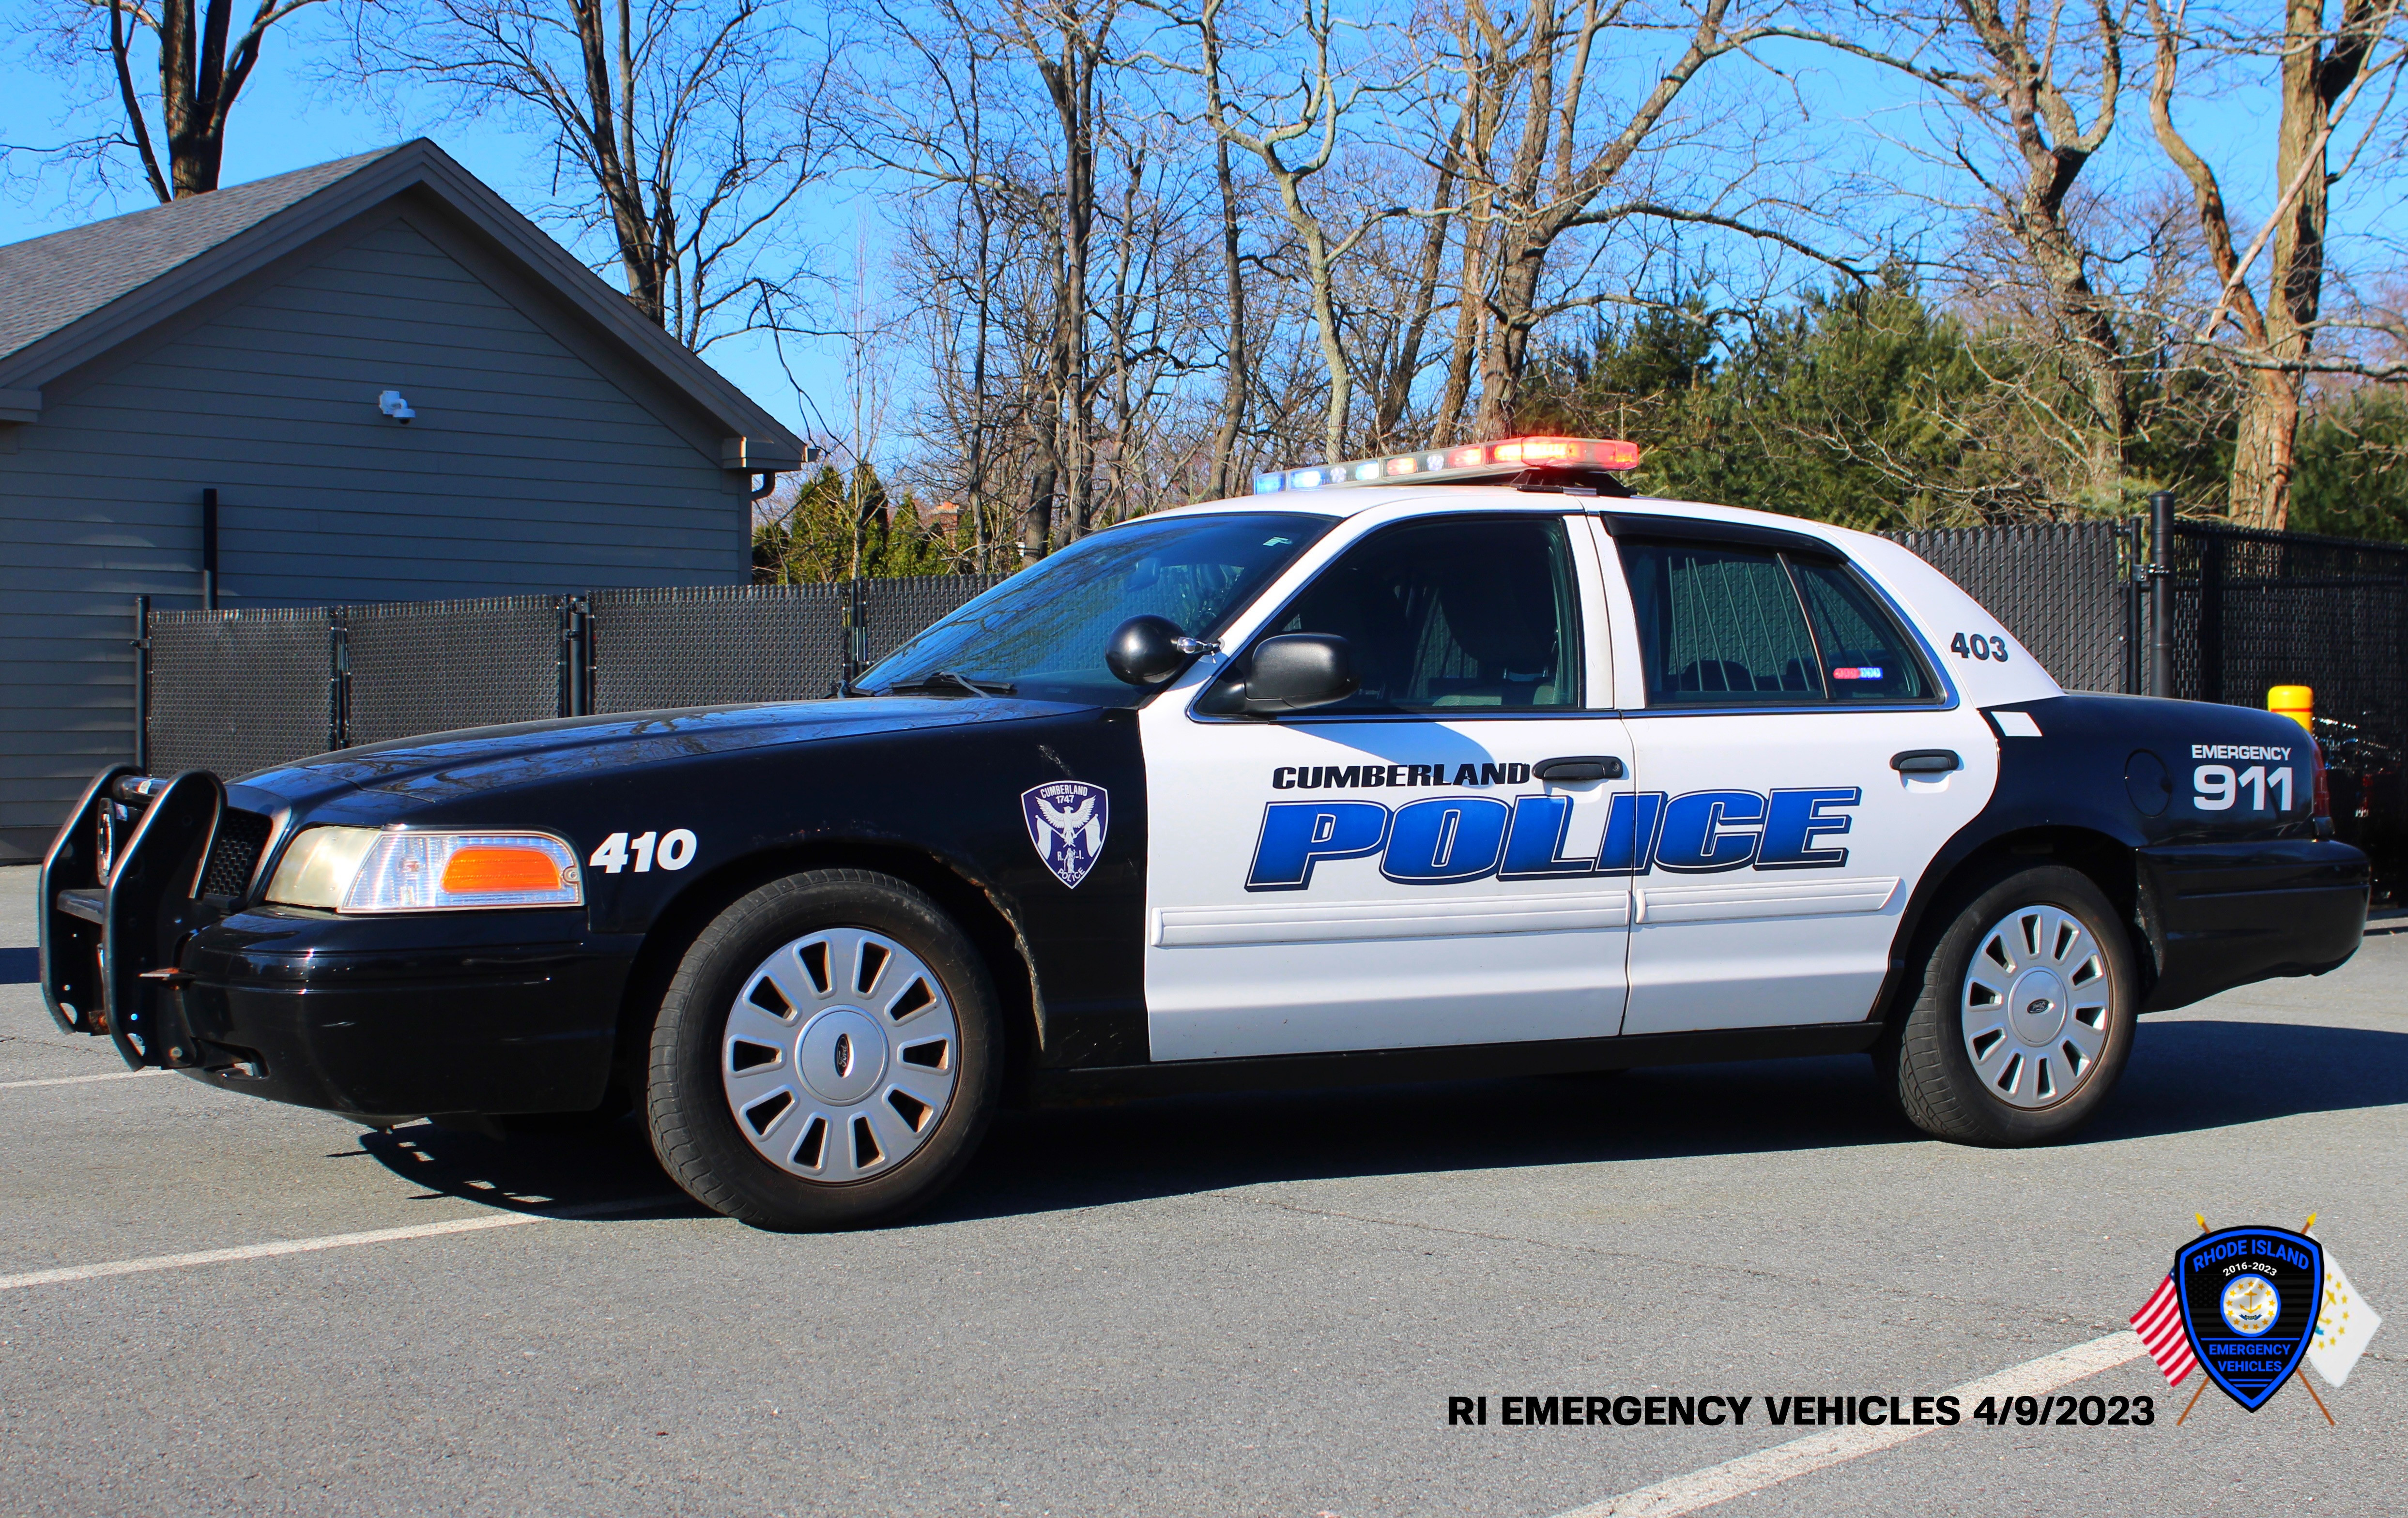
(391, 404)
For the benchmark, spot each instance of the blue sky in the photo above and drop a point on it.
(283, 121)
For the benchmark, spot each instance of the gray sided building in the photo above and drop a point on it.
(244, 342)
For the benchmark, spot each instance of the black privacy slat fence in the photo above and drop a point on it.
(2061, 588)
(241, 690)
(247, 689)
(707, 644)
(423, 667)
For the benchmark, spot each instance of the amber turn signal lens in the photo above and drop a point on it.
(488, 869)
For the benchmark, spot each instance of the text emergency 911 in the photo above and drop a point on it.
(1874, 1410)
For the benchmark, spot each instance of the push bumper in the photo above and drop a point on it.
(2228, 914)
(382, 1018)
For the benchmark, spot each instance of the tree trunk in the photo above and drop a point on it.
(1523, 261)
(2265, 450)
(1236, 380)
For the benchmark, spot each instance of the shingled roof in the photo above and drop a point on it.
(75, 295)
(68, 275)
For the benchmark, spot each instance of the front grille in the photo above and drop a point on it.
(236, 852)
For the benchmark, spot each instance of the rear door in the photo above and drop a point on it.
(1777, 689)
(1391, 871)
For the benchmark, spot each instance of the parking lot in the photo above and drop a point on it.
(1228, 1306)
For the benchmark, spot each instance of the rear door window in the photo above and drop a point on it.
(1735, 624)
(1719, 626)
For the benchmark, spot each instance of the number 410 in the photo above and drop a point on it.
(2218, 787)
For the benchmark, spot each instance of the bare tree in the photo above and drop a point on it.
(2323, 69)
(203, 65)
(2016, 71)
(686, 129)
(1295, 134)
(1570, 147)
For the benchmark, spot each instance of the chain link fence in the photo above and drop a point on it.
(719, 643)
(241, 690)
(2061, 588)
(423, 667)
(248, 688)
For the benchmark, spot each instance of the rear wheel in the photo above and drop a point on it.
(2022, 1018)
(827, 1055)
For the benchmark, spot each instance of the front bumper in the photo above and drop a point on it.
(378, 1017)
(494, 1012)
(2227, 914)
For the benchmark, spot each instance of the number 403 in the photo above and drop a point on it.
(2218, 787)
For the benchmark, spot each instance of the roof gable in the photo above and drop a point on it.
(57, 281)
(78, 294)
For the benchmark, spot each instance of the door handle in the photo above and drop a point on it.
(1587, 767)
(1926, 762)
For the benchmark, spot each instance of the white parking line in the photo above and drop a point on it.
(305, 1246)
(1800, 1456)
(77, 1079)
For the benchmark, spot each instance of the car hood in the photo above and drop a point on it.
(451, 766)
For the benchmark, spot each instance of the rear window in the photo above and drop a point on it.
(1725, 624)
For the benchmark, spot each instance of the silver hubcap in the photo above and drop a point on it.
(840, 1055)
(2036, 1006)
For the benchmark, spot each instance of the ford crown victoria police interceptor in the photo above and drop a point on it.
(1410, 778)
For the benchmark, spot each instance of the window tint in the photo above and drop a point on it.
(1719, 626)
(1454, 615)
(1864, 652)
(1043, 631)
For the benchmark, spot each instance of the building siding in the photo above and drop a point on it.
(530, 466)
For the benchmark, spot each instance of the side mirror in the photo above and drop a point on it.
(1300, 671)
(1144, 650)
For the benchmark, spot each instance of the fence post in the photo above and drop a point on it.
(856, 634)
(142, 684)
(574, 657)
(2214, 553)
(339, 679)
(2160, 571)
(2129, 581)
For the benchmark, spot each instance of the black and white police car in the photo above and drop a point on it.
(1454, 763)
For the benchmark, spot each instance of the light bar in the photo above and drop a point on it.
(1458, 465)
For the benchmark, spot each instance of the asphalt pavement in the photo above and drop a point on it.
(1228, 1306)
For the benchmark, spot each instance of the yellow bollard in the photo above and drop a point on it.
(2297, 702)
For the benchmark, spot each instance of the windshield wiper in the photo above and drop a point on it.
(939, 679)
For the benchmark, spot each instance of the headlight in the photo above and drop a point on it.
(369, 869)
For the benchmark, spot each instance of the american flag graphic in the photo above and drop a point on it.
(2160, 1326)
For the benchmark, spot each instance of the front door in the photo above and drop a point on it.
(1391, 871)
(1780, 690)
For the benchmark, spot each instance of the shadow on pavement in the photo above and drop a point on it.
(597, 1170)
(2184, 1076)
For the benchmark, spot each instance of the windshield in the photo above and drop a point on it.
(1042, 632)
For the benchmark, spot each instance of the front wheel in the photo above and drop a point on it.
(2023, 1019)
(827, 1055)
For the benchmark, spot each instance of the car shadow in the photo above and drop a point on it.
(2184, 1076)
(603, 1171)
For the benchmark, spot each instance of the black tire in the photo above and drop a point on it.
(1928, 1067)
(688, 1103)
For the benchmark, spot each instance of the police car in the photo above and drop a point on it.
(1445, 763)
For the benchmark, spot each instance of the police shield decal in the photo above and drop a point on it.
(1067, 820)
(2249, 1305)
